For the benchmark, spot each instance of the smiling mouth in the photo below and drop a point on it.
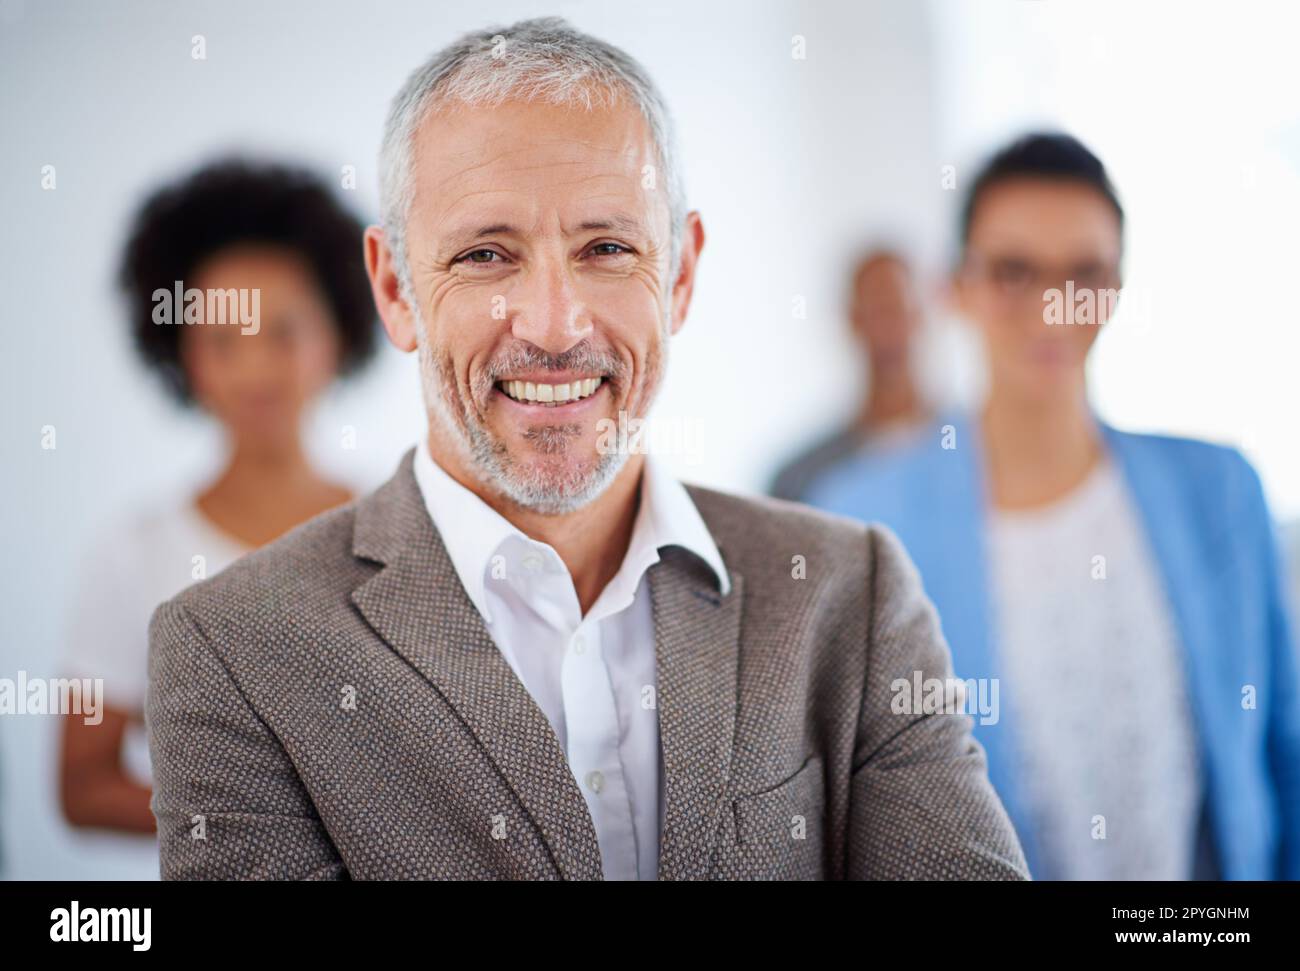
(532, 393)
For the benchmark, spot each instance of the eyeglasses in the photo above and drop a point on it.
(1017, 278)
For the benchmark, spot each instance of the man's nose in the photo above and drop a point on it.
(548, 310)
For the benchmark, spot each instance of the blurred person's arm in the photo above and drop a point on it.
(105, 646)
(228, 801)
(922, 806)
(94, 788)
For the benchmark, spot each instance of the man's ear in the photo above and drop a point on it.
(385, 285)
(684, 285)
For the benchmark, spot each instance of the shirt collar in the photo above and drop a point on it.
(674, 519)
(473, 532)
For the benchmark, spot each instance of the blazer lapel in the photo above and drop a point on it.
(418, 606)
(697, 640)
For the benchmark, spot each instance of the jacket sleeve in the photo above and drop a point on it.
(228, 802)
(922, 807)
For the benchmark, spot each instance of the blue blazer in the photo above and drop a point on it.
(1209, 528)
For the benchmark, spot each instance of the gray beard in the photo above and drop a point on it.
(540, 490)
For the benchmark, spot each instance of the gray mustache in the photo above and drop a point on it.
(580, 357)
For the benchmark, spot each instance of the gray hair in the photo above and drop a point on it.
(545, 60)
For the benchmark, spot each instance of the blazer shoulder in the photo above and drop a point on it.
(853, 568)
(1192, 454)
(1206, 470)
(311, 559)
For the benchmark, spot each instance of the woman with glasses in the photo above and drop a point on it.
(1114, 601)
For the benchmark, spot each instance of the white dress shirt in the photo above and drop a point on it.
(592, 676)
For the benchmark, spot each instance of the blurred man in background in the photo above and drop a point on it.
(1123, 590)
(233, 227)
(886, 315)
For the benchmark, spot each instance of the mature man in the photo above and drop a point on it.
(531, 654)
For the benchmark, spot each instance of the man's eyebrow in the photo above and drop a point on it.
(617, 223)
(463, 237)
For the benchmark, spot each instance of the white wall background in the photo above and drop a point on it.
(793, 163)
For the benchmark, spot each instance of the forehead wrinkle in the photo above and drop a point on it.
(471, 170)
(469, 195)
(475, 159)
(632, 147)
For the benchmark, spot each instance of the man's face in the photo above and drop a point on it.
(885, 310)
(539, 261)
(1029, 236)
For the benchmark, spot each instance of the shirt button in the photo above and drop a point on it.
(596, 781)
(579, 644)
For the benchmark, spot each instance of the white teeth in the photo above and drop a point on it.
(552, 394)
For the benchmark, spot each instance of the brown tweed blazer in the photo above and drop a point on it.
(333, 706)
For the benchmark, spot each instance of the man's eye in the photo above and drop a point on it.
(609, 249)
(479, 256)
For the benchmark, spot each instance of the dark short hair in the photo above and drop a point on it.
(230, 202)
(1040, 155)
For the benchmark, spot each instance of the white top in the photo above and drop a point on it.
(134, 567)
(1094, 675)
(592, 676)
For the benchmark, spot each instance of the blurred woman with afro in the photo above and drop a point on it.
(234, 225)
